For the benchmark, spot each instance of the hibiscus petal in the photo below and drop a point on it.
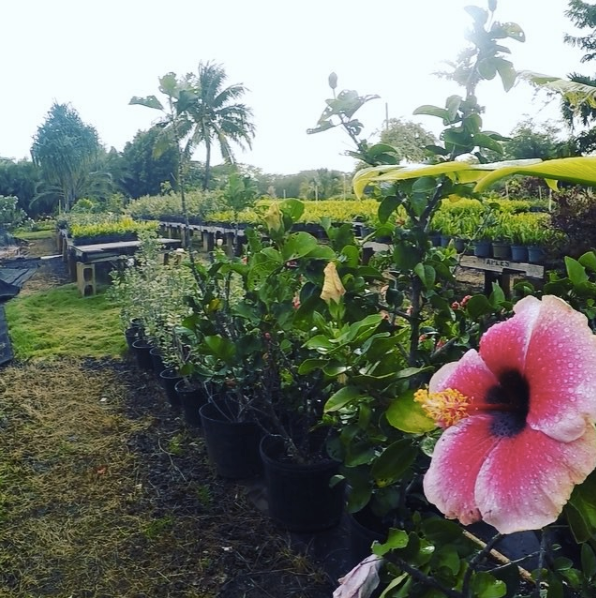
(469, 375)
(450, 482)
(503, 346)
(527, 479)
(561, 371)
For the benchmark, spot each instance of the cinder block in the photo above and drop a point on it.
(86, 279)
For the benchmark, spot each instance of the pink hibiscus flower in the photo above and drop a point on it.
(519, 418)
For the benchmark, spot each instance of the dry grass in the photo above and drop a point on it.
(104, 493)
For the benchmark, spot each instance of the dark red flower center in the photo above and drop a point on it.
(509, 404)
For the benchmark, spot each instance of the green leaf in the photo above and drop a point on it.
(588, 562)
(320, 343)
(482, 140)
(321, 252)
(426, 274)
(441, 531)
(407, 415)
(588, 260)
(393, 462)
(396, 539)
(453, 104)
(506, 72)
(344, 396)
(478, 306)
(294, 208)
(387, 207)
(581, 510)
(433, 111)
(575, 271)
(298, 245)
(149, 102)
(168, 84)
(484, 585)
(351, 254)
(409, 372)
(487, 68)
(221, 347)
(310, 365)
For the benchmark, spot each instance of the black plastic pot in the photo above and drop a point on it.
(141, 349)
(168, 379)
(131, 334)
(364, 529)
(299, 495)
(232, 446)
(192, 398)
(157, 361)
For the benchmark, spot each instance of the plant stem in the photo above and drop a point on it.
(474, 562)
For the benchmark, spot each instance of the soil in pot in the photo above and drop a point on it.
(192, 397)
(141, 349)
(168, 379)
(232, 446)
(299, 495)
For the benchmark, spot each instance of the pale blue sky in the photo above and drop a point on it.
(97, 55)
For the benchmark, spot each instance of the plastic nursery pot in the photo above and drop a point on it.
(141, 349)
(519, 253)
(168, 379)
(364, 528)
(232, 446)
(535, 254)
(299, 495)
(482, 248)
(501, 251)
(192, 398)
(131, 334)
(157, 361)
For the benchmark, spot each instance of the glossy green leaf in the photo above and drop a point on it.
(396, 539)
(426, 274)
(393, 462)
(344, 396)
(387, 207)
(588, 260)
(429, 110)
(407, 415)
(484, 585)
(575, 271)
(310, 365)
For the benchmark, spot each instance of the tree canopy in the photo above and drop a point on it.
(408, 138)
(65, 148)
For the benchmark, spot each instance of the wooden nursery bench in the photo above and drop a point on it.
(496, 270)
(82, 259)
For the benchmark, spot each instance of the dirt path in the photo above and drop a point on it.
(104, 492)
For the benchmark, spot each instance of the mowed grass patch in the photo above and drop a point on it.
(33, 235)
(59, 322)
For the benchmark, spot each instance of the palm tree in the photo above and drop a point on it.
(217, 115)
